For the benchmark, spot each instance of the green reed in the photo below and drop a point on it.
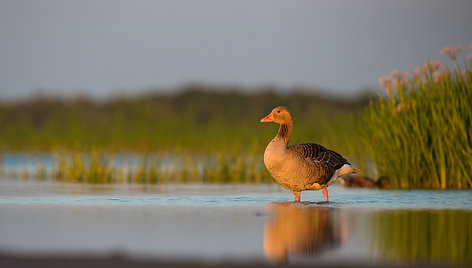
(410, 236)
(102, 168)
(420, 134)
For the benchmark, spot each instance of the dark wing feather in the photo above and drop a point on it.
(319, 153)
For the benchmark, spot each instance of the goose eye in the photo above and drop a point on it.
(278, 111)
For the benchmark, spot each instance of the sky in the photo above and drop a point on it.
(105, 47)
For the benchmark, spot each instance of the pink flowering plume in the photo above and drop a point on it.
(452, 51)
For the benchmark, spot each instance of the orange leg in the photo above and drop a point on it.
(297, 196)
(325, 192)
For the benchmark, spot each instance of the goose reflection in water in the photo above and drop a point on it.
(299, 229)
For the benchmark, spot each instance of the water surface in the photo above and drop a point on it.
(242, 222)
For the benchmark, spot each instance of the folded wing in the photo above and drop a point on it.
(325, 161)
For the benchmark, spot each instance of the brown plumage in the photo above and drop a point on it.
(365, 182)
(357, 182)
(301, 167)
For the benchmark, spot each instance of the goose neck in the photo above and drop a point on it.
(285, 131)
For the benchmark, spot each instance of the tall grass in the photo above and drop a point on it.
(198, 134)
(101, 168)
(420, 134)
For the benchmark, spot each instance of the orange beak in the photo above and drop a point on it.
(269, 118)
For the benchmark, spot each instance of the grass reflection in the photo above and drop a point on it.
(439, 236)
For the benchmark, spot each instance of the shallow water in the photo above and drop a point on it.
(240, 223)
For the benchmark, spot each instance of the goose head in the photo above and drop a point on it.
(280, 115)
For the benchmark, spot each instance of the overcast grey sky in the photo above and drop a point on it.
(103, 46)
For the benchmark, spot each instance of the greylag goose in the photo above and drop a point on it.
(357, 181)
(301, 167)
(365, 182)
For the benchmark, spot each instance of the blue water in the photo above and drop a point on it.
(28, 192)
(242, 222)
